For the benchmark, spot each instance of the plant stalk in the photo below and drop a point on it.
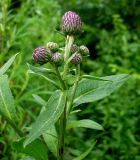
(62, 124)
(69, 42)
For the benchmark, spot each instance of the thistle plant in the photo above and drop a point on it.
(53, 122)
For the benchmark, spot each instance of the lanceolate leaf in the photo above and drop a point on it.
(51, 139)
(92, 90)
(45, 77)
(35, 149)
(47, 118)
(94, 78)
(6, 99)
(39, 100)
(5, 67)
(86, 123)
(40, 70)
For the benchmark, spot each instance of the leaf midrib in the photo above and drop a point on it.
(49, 118)
(76, 99)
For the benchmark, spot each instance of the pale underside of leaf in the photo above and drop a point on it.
(51, 139)
(47, 118)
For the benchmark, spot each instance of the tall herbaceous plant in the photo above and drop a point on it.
(71, 90)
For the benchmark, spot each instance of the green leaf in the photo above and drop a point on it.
(94, 78)
(40, 70)
(89, 90)
(36, 149)
(47, 118)
(39, 100)
(51, 139)
(7, 106)
(83, 155)
(6, 66)
(86, 123)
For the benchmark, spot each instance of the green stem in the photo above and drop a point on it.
(69, 42)
(13, 125)
(62, 129)
(60, 78)
(74, 89)
(62, 124)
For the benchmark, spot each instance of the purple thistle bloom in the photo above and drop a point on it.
(77, 59)
(41, 55)
(74, 48)
(71, 23)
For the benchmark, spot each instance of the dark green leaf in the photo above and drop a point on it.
(36, 149)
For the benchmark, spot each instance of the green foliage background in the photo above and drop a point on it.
(112, 33)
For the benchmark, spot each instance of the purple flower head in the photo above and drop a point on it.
(77, 59)
(71, 23)
(41, 55)
(74, 48)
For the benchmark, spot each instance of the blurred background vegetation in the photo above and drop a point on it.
(112, 33)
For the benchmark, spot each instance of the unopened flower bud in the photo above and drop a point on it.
(41, 55)
(53, 46)
(57, 58)
(84, 50)
(71, 23)
(77, 59)
(74, 48)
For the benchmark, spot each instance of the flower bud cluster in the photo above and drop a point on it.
(78, 53)
(49, 53)
(71, 25)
